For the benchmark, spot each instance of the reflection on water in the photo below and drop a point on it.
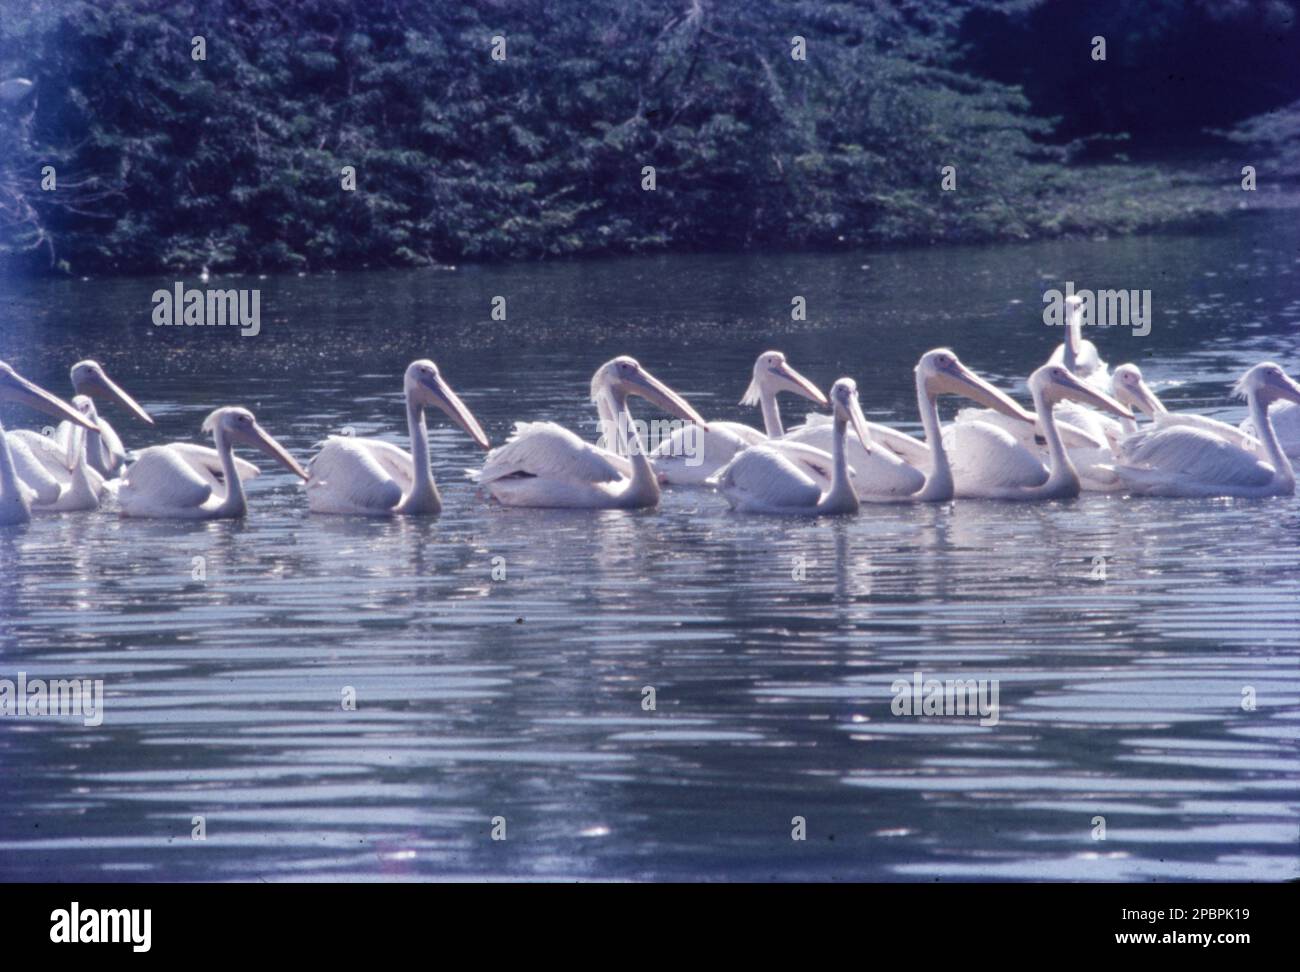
(522, 697)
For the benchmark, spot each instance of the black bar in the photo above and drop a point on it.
(332, 921)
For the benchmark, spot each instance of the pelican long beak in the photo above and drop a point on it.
(442, 396)
(653, 390)
(15, 388)
(98, 383)
(1146, 400)
(800, 385)
(962, 381)
(859, 422)
(259, 437)
(1073, 388)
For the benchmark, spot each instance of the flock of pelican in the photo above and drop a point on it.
(1082, 434)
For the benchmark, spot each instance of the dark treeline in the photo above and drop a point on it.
(236, 160)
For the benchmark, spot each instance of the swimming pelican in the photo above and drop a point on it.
(1077, 354)
(1130, 389)
(993, 465)
(1088, 436)
(371, 477)
(680, 465)
(545, 465)
(883, 474)
(15, 495)
(1192, 461)
(105, 453)
(762, 479)
(163, 482)
(80, 487)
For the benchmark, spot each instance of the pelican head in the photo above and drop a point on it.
(84, 405)
(846, 408)
(1129, 389)
(235, 424)
(1268, 383)
(425, 387)
(772, 373)
(88, 378)
(941, 372)
(624, 376)
(15, 388)
(1053, 383)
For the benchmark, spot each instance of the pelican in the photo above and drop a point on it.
(371, 477)
(991, 461)
(677, 464)
(165, 483)
(15, 495)
(1184, 460)
(995, 466)
(1088, 436)
(545, 465)
(80, 487)
(1076, 354)
(1286, 425)
(762, 479)
(884, 474)
(1130, 389)
(105, 453)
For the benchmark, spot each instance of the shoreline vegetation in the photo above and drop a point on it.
(146, 136)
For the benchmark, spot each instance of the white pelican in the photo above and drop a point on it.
(15, 495)
(545, 465)
(762, 479)
(1088, 436)
(884, 474)
(80, 487)
(1128, 386)
(993, 465)
(1285, 417)
(165, 482)
(672, 458)
(1184, 460)
(1079, 355)
(104, 450)
(371, 477)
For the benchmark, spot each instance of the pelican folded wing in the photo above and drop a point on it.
(549, 451)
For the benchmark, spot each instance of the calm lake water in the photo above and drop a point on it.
(521, 698)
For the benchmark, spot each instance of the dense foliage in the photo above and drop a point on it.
(164, 161)
(1174, 68)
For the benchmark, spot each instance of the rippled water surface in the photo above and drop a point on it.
(522, 697)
